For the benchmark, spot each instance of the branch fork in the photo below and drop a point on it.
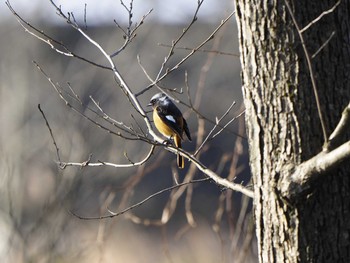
(293, 183)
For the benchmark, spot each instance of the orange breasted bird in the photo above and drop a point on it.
(169, 121)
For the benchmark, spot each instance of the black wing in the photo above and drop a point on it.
(172, 112)
(187, 131)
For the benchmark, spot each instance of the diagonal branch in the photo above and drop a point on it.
(59, 47)
(293, 184)
(207, 138)
(160, 77)
(51, 133)
(320, 16)
(297, 180)
(114, 214)
(323, 45)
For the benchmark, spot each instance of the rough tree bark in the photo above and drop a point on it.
(284, 128)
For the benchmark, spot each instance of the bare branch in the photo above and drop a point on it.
(51, 133)
(215, 126)
(215, 177)
(119, 124)
(160, 77)
(54, 44)
(114, 214)
(102, 163)
(175, 42)
(74, 93)
(216, 52)
(295, 183)
(228, 123)
(117, 74)
(320, 16)
(85, 22)
(323, 45)
(119, 134)
(129, 33)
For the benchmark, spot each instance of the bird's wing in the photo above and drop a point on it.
(187, 131)
(172, 118)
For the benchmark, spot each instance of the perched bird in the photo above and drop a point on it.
(169, 121)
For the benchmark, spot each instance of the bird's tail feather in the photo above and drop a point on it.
(180, 159)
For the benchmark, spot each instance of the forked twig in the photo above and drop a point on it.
(160, 77)
(215, 126)
(129, 33)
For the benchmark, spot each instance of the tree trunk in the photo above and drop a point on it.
(284, 127)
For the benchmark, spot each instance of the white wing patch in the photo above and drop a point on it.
(170, 118)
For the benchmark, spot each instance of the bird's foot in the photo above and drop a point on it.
(168, 142)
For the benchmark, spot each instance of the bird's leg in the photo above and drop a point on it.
(168, 141)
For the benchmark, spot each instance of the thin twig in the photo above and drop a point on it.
(228, 123)
(42, 36)
(177, 65)
(129, 33)
(119, 134)
(85, 21)
(175, 42)
(74, 93)
(215, 126)
(114, 214)
(323, 45)
(320, 16)
(106, 116)
(51, 133)
(216, 52)
(102, 163)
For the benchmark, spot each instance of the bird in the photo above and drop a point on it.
(169, 121)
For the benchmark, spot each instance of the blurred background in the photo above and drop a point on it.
(38, 199)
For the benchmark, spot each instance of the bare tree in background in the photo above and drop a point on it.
(133, 131)
(138, 127)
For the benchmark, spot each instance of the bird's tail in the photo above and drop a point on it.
(180, 159)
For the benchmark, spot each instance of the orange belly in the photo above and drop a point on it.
(162, 128)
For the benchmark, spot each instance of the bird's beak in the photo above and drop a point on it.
(149, 104)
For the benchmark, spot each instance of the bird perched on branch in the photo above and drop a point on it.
(169, 121)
